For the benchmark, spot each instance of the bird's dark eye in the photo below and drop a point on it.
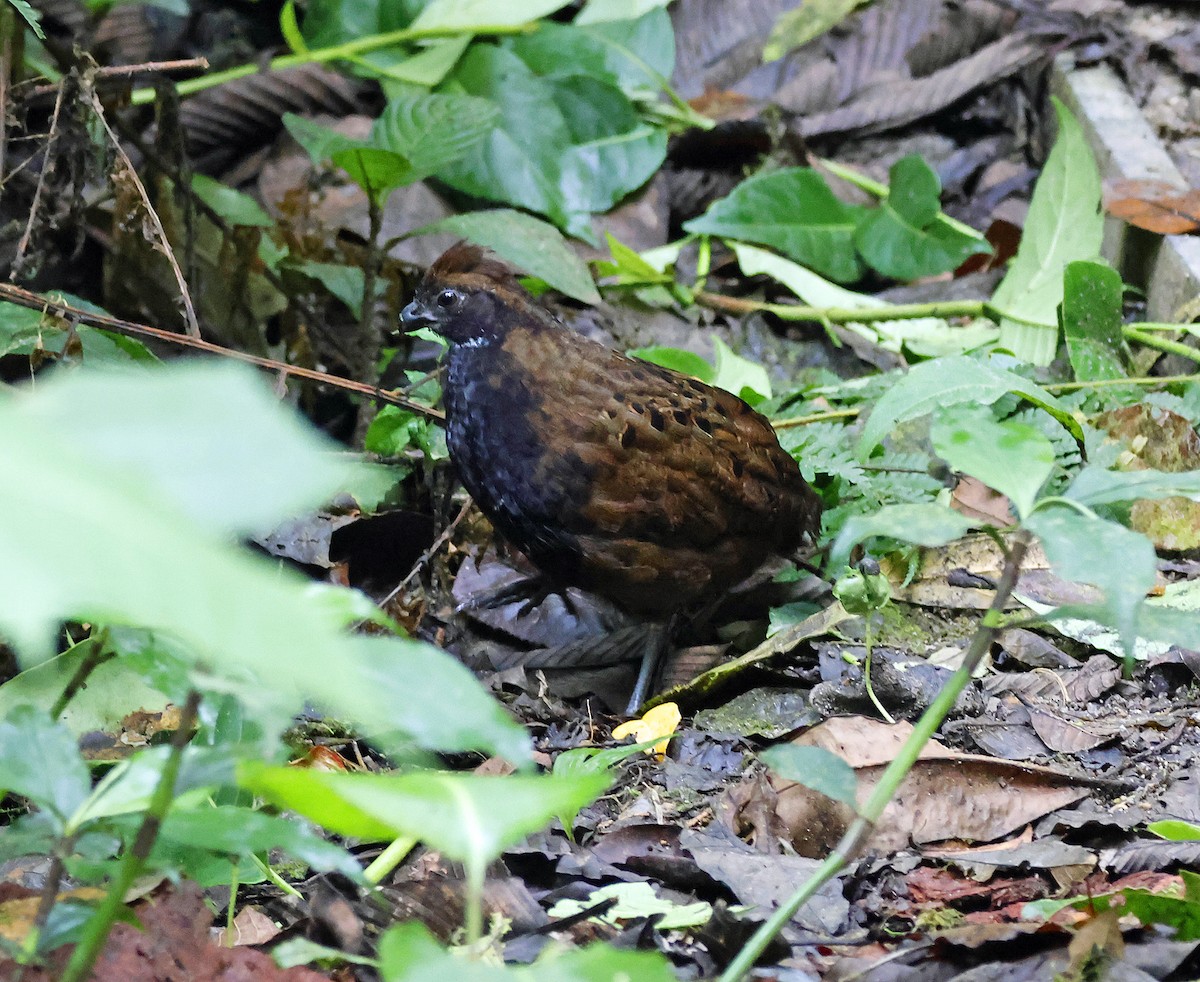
(447, 298)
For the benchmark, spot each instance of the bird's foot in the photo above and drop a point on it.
(533, 590)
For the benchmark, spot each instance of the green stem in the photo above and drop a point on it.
(847, 315)
(784, 424)
(861, 828)
(345, 51)
(1132, 332)
(95, 932)
(1104, 383)
(869, 641)
(389, 859)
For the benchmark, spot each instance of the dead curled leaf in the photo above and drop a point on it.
(1156, 206)
(947, 795)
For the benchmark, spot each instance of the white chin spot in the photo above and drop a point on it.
(478, 342)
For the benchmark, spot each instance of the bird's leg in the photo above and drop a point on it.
(657, 641)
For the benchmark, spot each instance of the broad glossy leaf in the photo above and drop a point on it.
(1091, 320)
(1064, 224)
(793, 211)
(920, 524)
(539, 159)
(529, 244)
(601, 11)
(631, 53)
(467, 817)
(946, 382)
(1011, 457)
(816, 768)
(1103, 554)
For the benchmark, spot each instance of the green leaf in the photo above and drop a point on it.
(799, 26)
(1174, 830)
(344, 282)
(564, 147)
(635, 901)
(319, 142)
(1064, 224)
(39, 760)
(161, 426)
(741, 376)
(234, 206)
(433, 130)
(1011, 457)
(925, 336)
(410, 687)
(591, 760)
(816, 768)
(793, 211)
(235, 831)
(32, 17)
(24, 331)
(529, 244)
(629, 53)
(409, 953)
(1091, 320)
(902, 238)
(114, 689)
(238, 619)
(599, 11)
(471, 14)
(289, 27)
(426, 68)
(1101, 553)
(378, 172)
(676, 359)
(466, 817)
(946, 382)
(921, 524)
(1096, 486)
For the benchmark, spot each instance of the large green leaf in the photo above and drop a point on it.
(433, 130)
(24, 332)
(1011, 457)
(564, 147)
(183, 435)
(467, 817)
(99, 530)
(793, 211)
(946, 382)
(528, 243)
(631, 53)
(1064, 224)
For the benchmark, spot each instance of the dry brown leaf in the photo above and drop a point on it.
(947, 795)
(1156, 206)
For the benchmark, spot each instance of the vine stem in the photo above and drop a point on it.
(846, 315)
(337, 52)
(889, 782)
(95, 932)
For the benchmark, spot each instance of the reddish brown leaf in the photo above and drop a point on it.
(1154, 205)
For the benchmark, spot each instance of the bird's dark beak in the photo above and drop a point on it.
(416, 314)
